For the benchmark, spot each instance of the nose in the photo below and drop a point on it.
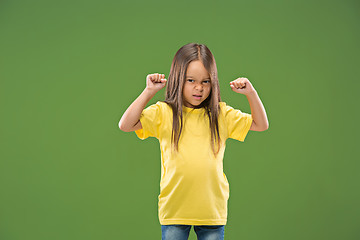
(199, 87)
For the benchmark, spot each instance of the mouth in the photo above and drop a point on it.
(197, 97)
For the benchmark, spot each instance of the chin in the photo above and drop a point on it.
(196, 104)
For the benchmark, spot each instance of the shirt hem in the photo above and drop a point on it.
(193, 221)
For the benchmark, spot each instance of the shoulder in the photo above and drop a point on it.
(224, 107)
(229, 111)
(162, 105)
(158, 105)
(222, 104)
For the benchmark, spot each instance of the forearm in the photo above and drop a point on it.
(257, 110)
(133, 112)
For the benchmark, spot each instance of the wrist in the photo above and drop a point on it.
(252, 93)
(149, 92)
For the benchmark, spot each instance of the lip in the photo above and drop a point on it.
(197, 97)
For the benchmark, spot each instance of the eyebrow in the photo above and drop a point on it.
(193, 77)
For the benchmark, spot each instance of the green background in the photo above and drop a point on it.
(70, 69)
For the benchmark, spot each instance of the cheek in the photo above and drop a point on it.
(187, 90)
(186, 87)
(208, 90)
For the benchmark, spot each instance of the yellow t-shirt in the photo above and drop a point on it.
(193, 189)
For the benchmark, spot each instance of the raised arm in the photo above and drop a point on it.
(242, 85)
(130, 120)
(260, 121)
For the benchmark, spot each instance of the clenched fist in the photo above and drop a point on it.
(242, 85)
(155, 82)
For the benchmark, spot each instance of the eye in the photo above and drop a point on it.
(190, 80)
(207, 81)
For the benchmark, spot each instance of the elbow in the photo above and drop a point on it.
(266, 127)
(122, 128)
(263, 127)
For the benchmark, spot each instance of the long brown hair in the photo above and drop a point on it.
(174, 89)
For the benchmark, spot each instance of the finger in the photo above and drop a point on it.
(154, 77)
(234, 89)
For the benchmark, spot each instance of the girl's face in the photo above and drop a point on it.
(197, 84)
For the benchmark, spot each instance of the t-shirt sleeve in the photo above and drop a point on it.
(150, 119)
(238, 123)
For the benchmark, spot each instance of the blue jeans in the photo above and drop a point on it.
(181, 232)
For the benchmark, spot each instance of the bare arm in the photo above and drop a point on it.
(130, 120)
(260, 122)
(132, 114)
